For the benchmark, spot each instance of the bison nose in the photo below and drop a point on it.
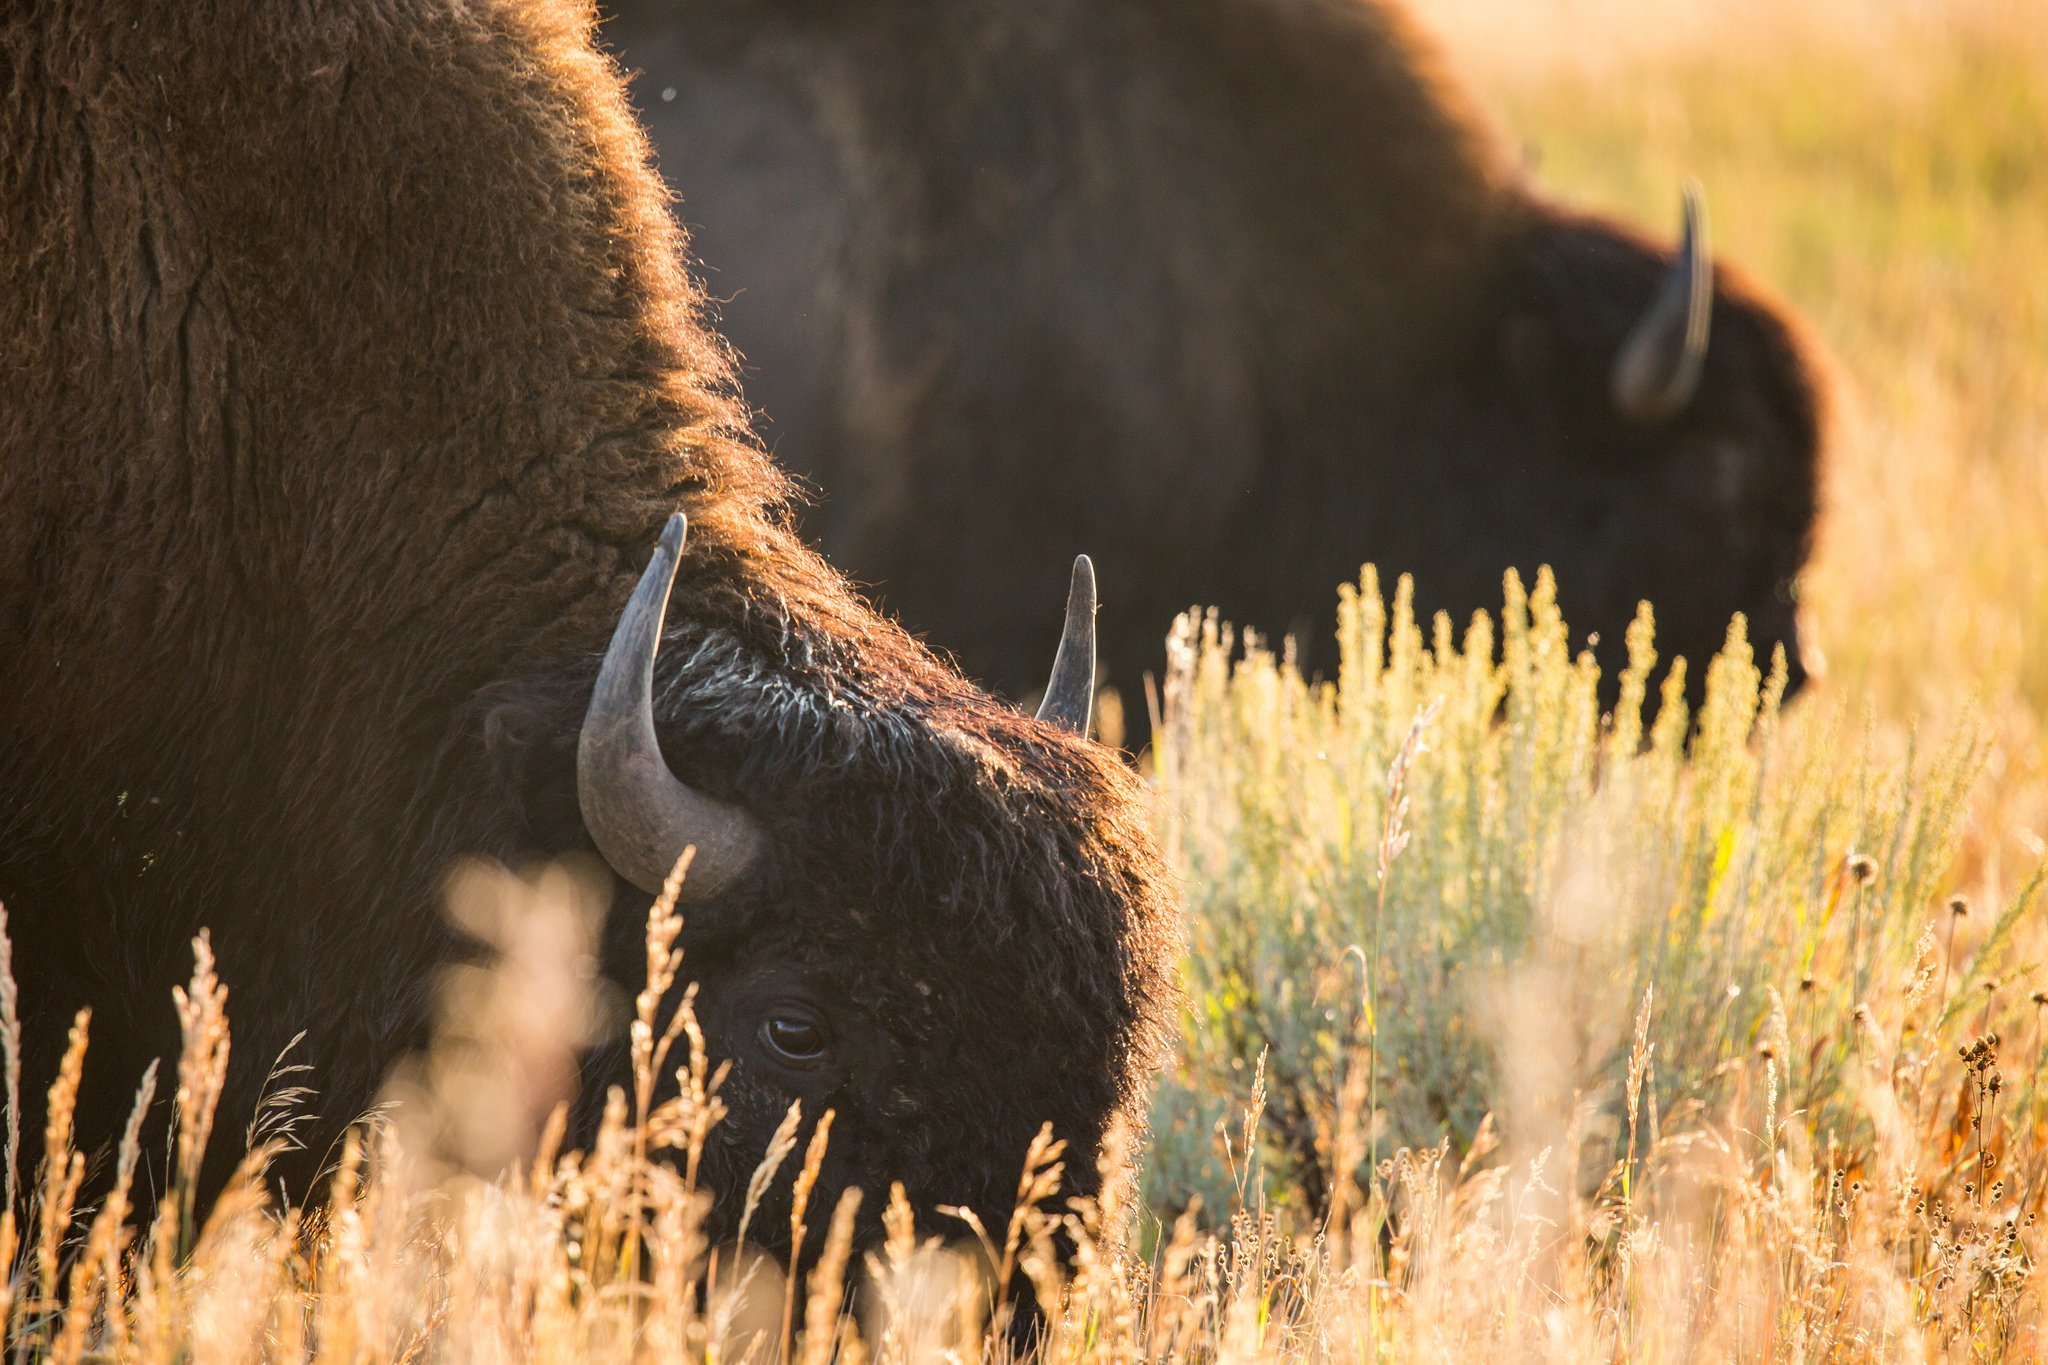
(1804, 659)
(1803, 663)
(1795, 667)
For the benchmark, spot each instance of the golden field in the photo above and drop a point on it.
(1511, 1031)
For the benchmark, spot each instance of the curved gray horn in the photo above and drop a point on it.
(1070, 695)
(641, 817)
(1658, 368)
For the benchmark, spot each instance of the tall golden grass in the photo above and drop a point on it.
(1512, 1028)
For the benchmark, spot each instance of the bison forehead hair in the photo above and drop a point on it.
(999, 962)
(988, 953)
(353, 371)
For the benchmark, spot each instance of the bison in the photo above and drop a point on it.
(1240, 292)
(352, 381)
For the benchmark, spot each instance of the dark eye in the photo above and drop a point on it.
(795, 1037)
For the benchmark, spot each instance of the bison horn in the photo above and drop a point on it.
(1658, 368)
(1070, 695)
(639, 814)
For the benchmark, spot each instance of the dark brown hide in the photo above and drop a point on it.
(1238, 293)
(350, 372)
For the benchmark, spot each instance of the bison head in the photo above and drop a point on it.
(935, 916)
(1670, 431)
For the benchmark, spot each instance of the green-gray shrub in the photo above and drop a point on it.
(1561, 863)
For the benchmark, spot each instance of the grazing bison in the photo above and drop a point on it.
(1239, 292)
(350, 376)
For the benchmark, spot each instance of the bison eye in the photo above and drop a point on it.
(795, 1037)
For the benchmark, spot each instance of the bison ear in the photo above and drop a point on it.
(530, 755)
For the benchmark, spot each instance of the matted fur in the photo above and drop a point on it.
(1241, 293)
(350, 371)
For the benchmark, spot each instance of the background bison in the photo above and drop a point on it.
(1241, 293)
(351, 372)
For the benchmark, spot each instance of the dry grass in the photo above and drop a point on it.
(1564, 1035)
(1512, 1029)
(1656, 1037)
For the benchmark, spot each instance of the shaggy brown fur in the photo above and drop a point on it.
(1241, 293)
(351, 370)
